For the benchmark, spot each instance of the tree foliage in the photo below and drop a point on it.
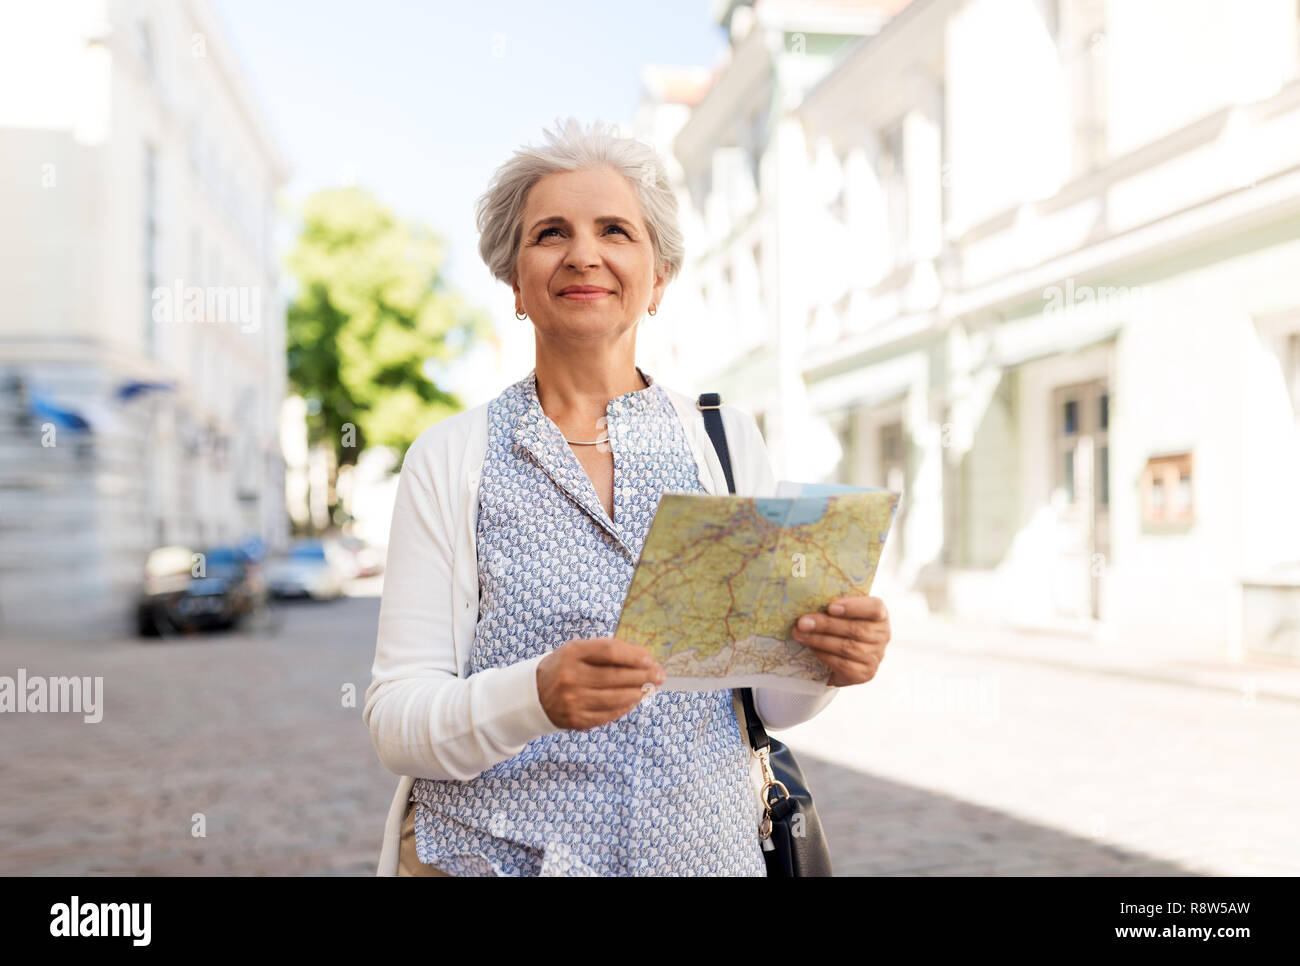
(371, 309)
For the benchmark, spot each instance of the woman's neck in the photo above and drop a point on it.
(576, 397)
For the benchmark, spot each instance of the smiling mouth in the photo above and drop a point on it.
(585, 296)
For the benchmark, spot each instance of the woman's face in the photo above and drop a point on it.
(584, 228)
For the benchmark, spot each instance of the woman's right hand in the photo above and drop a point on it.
(588, 682)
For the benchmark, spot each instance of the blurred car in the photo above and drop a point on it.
(312, 568)
(185, 590)
(362, 559)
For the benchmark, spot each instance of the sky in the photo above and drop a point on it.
(419, 102)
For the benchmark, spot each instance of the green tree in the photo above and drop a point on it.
(371, 309)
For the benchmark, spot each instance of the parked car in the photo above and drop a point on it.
(312, 568)
(184, 590)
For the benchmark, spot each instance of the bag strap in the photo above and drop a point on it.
(710, 404)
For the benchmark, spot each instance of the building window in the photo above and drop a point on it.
(891, 444)
(1166, 492)
(1082, 444)
(1183, 505)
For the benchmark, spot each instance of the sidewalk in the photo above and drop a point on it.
(1087, 652)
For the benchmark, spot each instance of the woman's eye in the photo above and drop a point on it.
(547, 231)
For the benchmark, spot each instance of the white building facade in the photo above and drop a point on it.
(140, 295)
(743, 189)
(1045, 284)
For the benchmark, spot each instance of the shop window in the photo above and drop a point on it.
(1166, 493)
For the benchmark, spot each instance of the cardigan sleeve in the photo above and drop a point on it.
(425, 721)
(776, 708)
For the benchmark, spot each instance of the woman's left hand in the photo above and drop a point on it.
(850, 638)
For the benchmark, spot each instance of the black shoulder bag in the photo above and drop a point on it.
(789, 817)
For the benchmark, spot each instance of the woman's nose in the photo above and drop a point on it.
(582, 253)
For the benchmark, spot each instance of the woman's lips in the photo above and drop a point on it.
(584, 296)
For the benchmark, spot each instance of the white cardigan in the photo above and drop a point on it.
(428, 717)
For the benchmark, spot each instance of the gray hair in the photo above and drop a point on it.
(501, 207)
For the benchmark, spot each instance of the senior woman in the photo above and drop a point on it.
(530, 741)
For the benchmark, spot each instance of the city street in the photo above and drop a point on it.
(968, 764)
(947, 764)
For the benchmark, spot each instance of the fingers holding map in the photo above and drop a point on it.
(722, 579)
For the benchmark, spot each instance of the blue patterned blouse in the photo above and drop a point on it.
(663, 790)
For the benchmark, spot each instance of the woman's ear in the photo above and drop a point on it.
(657, 292)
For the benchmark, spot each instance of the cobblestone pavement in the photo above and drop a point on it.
(966, 764)
(947, 763)
(252, 732)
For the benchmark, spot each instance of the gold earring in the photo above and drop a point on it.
(520, 317)
(653, 310)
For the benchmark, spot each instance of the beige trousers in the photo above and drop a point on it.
(408, 862)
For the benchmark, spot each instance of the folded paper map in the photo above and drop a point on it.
(722, 579)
